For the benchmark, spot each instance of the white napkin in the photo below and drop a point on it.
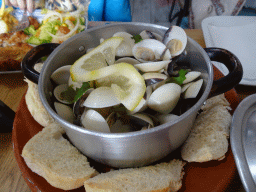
(241, 41)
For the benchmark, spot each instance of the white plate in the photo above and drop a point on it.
(233, 24)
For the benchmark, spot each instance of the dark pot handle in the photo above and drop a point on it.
(234, 66)
(32, 57)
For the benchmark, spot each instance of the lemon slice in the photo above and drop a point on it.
(99, 57)
(3, 27)
(126, 82)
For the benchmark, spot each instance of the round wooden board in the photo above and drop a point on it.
(213, 176)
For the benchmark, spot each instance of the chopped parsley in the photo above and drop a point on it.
(137, 38)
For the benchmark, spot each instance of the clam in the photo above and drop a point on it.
(159, 84)
(61, 75)
(64, 111)
(185, 87)
(93, 120)
(125, 48)
(153, 78)
(129, 60)
(137, 121)
(145, 118)
(165, 98)
(150, 35)
(165, 118)
(58, 93)
(148, 50)
(193, 90)
(101, 97)
(152, 66)
(191, 76)
(175, 40)
(166, 55)
(78, 106)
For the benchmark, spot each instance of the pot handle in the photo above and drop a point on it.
(234, 66)
(32, 57)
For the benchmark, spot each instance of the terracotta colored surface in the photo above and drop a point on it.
(211, 176)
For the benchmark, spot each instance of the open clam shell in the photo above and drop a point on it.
(64, 111)
(175, 40)
(93, 120)
(191, 76)
(193, 90)
(152, 66)
(153, 78)
(148, 50)
(165, 98)
(101, 97)
(127, 60)
(165, 118)
(150, 35)
(78, 107)
(61, 75)
(125, 48)
(58, 91)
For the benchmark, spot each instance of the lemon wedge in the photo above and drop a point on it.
(126, 82)
(99, 57)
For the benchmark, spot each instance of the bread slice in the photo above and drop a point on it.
(216, 100)
(51, 156)
(158, 178)
(35, 105)
(208, 139)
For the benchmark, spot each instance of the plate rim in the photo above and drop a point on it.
(208, 40)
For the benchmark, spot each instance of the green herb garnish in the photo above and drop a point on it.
(71, 95)
(137, 38)
(81, 91)
(68, 95)
(178, 80)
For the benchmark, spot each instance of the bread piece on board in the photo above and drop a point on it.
(208, 139)
(213, 101)
(51, 156)
(158, 178)
(35, 106)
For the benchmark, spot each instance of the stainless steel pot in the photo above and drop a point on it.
(134, 148)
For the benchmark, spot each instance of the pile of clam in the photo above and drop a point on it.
(155, 58)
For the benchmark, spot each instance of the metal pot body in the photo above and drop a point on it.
(124, 149)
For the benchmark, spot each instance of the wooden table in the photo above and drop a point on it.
(12, 88)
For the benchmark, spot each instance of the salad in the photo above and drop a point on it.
(57, 26)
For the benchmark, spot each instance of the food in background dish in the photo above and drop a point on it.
(57, 26)
(13, 48)
(11, 56)
(7, 21)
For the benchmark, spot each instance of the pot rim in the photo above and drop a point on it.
(135, 133)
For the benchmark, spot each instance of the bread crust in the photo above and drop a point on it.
(162, 177)
(209, 135)
(51, 156)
